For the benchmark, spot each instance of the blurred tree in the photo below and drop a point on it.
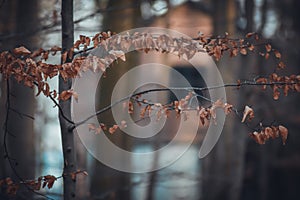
(223, 167)
(18, 16)
(116, 20)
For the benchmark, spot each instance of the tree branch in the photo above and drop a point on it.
(229, 85)
(6, 132)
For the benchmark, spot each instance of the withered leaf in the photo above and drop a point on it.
(37, 53)
(276, 92)
(262, 80)
(277, 54)
(268, 47)
(234, 52)
(251, 47)
(284, 133)
(67, 94)
(248, 112)
(243, 51)
(227, 108)
(267, 56)
(248, 35)
(281, 65)
(55, 48)
(21, 51)
(113, 129)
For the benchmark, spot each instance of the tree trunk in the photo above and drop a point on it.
(66, 131)
(104, 178)
(223, 167)
(18, 16)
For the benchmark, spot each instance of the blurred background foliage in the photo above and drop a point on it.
(237, 168)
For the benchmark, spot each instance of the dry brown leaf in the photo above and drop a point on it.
(248, 35)
(276, 92)
(257, 137)
(234, 52)
(284, 133)
(248, 112)
(277, 54)
(268, 47)
(87, 41)
(37, 53)
(113, 129)
(267, 56)
(21, 51)
(251, 47)
(262, 80)
(243, 51)
(269, 132)
(55, 48)
(281, 65)
(216, 104)
(227, 108)
(67, 94)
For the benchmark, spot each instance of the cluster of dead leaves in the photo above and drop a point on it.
(217, 46)
(206, 114)
(276, 82)
(103, 127)
(266, 132)
(270, 132)
(10, 187)
(48, 181)
(32, 69)
(159, 110)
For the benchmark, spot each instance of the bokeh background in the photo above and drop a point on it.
(237, 168)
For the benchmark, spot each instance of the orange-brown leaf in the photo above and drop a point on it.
(227, 108)
(281, 65)
(243, 51)
(21, 51)
(284, 133)
(277, 54)
(55, 48)
(233, 52)
(67, 94)
(262, 80)
(248, 113)
(268, 47)
(251, 47)
(276, 92)
(113, 129)
(267, 56)
(248, 35)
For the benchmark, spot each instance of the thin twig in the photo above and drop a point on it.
(8, 108)
(58, 106)
(56, 24)
(22, 114)
(237, 85)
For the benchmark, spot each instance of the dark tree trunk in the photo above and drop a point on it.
(104, 178)
(223, 167)
(18, 16)
(66, 131)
